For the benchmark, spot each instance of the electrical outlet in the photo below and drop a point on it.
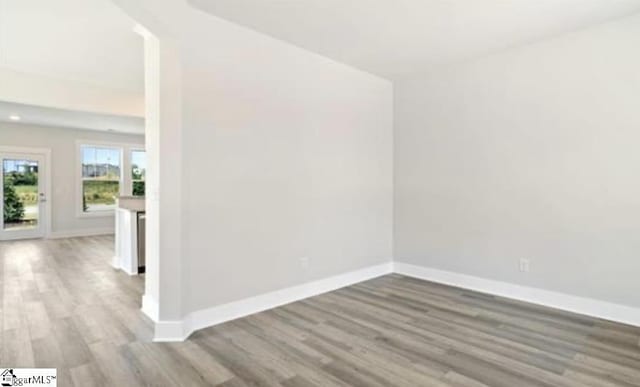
(304, 262)
(525, 265)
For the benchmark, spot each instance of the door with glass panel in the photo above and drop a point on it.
(23, 196)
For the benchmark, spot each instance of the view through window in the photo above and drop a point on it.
(138, 171)
(20, 193)
(100, 177)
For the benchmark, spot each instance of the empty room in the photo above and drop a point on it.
(320, 193)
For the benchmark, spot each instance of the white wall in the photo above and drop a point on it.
(289, 157)
(531, 153)
(62, 143)
(285, 155)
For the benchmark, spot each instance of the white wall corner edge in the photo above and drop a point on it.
(150, 307)
(169, 331)
(566, 302)
(163, 331)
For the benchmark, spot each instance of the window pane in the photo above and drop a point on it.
(99, 195)
(138, 188)
(101, 178)
(103, 163)
(20, 187)
(138, 171)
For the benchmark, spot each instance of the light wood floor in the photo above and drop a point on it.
(63, 306)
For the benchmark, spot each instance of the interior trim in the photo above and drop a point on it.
(167, 331)
(580, 305)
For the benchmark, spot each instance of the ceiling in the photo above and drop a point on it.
(38, 115)
(90, 41)
(392, 38)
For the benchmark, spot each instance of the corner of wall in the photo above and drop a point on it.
(180, 330)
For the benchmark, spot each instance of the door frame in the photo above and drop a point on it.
(46, 154)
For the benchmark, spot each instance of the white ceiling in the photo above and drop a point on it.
(396, 37)
(89, 41)
(38, 115)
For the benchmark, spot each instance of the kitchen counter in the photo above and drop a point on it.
(131, 203)
(127, 246)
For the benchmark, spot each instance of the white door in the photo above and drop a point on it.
(23, 195)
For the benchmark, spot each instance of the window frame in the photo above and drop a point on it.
(125, 182)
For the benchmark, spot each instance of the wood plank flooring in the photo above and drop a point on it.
(63, 306)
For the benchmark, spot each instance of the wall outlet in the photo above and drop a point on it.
(525, 265)
(304, 262)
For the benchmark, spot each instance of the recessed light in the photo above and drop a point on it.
(14, 117)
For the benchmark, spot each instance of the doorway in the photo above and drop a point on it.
(24, 193)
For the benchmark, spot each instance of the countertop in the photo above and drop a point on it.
(131, 203)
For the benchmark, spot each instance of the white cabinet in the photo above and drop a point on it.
(126, 249)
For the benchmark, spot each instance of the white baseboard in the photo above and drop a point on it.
(167, 331)
(171, 331)
(163, 330)
(81, 233)
(180, 330)
(585, 306)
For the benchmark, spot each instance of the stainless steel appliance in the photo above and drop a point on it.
(141, 241)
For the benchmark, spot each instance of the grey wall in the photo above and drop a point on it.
(62, 143)
(531, 153)
(287, 155)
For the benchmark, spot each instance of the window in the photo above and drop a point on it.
(101, 177)
(138, 171)
(106, 171)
